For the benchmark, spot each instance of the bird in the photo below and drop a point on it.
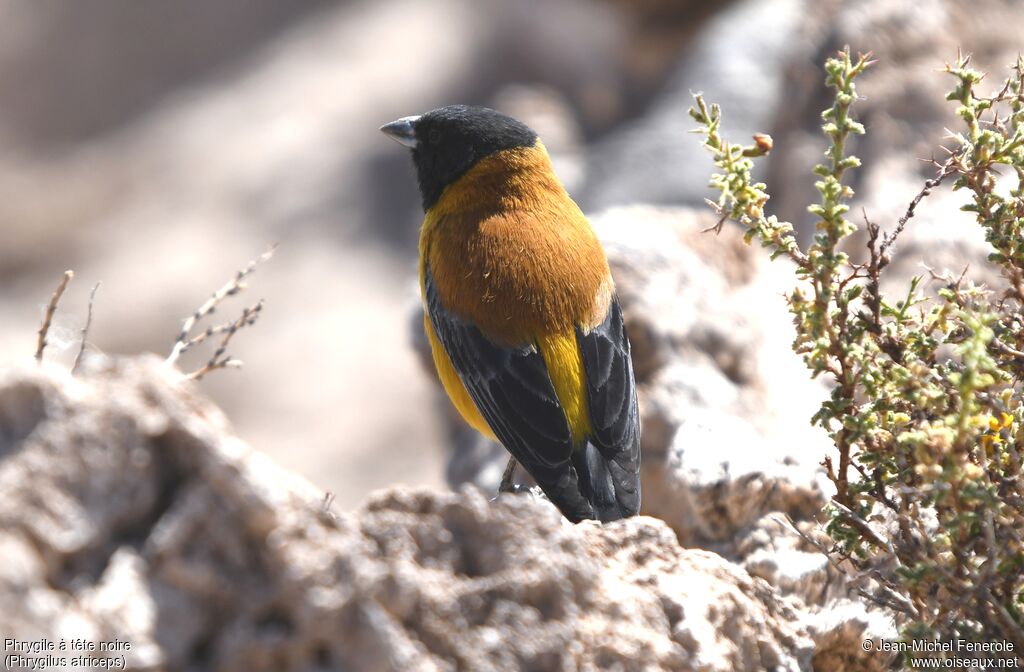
(520, 310)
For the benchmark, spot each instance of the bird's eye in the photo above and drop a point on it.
(434, 136)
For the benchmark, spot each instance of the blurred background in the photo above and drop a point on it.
(157, 147)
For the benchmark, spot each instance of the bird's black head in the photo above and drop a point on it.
(448, 141)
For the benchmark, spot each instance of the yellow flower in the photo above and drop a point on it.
(989, 441)
(1004, 421)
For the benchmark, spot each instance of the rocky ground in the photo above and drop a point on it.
(131, 513)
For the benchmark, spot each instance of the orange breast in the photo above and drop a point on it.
(511, 252)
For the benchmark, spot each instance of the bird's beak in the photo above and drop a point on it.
(403, 130)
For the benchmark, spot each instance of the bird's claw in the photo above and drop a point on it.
(506, 479)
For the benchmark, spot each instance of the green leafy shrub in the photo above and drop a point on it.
(925, 411)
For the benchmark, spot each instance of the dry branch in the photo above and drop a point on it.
(220, 360)
(233, 286)
(51, 308)
(85, 330)
(944, 170)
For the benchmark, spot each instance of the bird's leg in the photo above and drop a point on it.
(506, 479)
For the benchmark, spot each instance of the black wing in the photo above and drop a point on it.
(610, 464)
(513, 391)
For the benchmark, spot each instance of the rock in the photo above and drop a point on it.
(762, 62)
(719, 480)
(130, 512)
(738, 60)
(81, 71)
(902, 104)
(779, 551)
(839, 635)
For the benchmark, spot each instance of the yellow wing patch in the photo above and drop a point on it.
(452, 384)
(565, 366)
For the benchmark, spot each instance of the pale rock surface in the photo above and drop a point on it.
(738, 59)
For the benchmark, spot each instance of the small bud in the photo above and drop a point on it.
(762, 145)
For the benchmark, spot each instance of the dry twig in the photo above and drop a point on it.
(85, 330)
(51, 308)
(233, 286)
(220, 360)
(944, 170)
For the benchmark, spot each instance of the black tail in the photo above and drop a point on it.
(612, 491)
(608, 465)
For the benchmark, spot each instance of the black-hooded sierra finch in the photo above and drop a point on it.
(520, 309)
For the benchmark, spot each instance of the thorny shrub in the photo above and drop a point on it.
(926, 411)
